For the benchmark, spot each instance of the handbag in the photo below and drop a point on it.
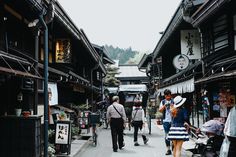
(132, 123)
(224, 147)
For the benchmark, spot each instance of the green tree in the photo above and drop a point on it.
(110, 79)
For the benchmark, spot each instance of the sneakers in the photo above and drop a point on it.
(115, 150)
(168, 152)
(136, 144)
(145, 141)
(122, 146)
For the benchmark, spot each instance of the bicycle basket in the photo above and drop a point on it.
(94, 118)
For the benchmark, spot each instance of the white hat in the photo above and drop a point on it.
(178, 101)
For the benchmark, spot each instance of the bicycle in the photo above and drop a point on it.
(94, 119)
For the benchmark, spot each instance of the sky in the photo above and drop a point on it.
(122, 23)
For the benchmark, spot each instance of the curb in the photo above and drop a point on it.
(82, 148)
(85, 144)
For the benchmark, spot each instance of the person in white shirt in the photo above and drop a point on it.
(116, 116)
(165, 106)
(230, 131)
(138, 121)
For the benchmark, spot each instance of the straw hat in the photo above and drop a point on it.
(178, 101)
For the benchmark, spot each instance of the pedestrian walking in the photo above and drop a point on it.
(178, 132)
(138, 121)
(116, 117)
(165, 106)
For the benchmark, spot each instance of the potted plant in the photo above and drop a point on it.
(18, 108)
(159, 116)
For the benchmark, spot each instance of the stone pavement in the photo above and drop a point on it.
(79, 145)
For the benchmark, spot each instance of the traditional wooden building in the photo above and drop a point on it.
(216, 22)
(180, 40)
(71, 80)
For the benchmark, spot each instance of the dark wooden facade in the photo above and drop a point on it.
(75, 66)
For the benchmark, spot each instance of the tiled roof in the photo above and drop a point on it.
(130, 71)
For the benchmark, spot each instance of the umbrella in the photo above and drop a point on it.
(213, 126)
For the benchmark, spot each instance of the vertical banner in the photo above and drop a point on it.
(62, 132)
(190, 44)
(52, 93)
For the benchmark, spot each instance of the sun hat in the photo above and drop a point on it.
(178, 101)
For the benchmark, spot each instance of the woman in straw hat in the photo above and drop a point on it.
(178, 132)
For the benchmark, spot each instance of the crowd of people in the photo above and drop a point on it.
(175, 123)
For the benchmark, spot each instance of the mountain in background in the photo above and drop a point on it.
(125, 56)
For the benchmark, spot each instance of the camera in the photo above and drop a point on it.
(167, 104)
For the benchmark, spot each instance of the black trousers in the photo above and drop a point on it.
(137, 126)
(232, 146)
(117, 132)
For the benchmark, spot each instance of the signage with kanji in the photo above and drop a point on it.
(62, 133)
(190, 44)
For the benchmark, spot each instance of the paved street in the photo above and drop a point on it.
(154, 148)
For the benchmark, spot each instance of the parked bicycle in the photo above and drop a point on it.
(94, 119)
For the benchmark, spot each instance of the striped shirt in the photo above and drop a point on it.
(112, 113)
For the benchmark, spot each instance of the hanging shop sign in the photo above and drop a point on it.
(63, 51)
(181, 62)
(190, 44)
(52, 93)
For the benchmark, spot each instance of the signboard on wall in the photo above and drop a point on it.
(190, 44)
(63, 51)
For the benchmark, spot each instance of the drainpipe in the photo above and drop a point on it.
(45, 84)
(92, 70)
(36, 57)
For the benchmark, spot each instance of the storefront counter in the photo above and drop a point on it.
(20, 136)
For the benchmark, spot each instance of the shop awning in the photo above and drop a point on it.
(133, 88)
(217, 77)
(112, 89)
(182, 87)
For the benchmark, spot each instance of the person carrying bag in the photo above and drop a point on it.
(137, 122)
(116, 116)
